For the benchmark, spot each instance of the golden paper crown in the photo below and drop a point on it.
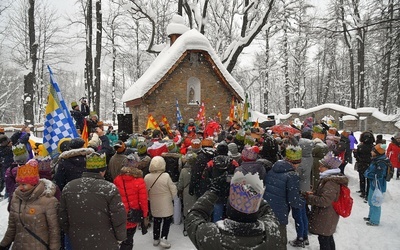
(28, 173)
(19, 149)
(44, 162)
(293, 154)
(95, 161)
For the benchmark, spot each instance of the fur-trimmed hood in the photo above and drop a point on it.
(131, 171)
(76, 152)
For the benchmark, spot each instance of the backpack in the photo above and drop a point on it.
(344, 204)
(390, 169)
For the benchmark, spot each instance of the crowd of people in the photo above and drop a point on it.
(232, 188)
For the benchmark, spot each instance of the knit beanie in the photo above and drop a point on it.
(379, 149)
(330, 161)
(293, 154)
(250, 153)
(233, 149)
(245, 195)
(28, 173)
(76, 143)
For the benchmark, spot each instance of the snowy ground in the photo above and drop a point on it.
(352, 233)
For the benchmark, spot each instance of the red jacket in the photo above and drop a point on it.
(136, 192)
(393, 153)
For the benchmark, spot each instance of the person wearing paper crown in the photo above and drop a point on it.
(91, 212)
(323, 217)
(34, 208)
(282, 189)
(250, 222)
(376, 173)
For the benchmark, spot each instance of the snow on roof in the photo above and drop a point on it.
(260, 116)
(284, 117)
(177, 25)
(383, 117)
(333, 106)
(349, 118)
(366, 110)
(296, 110)
(190, 40)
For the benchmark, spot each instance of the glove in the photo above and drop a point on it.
(144, 225)
(220, 185)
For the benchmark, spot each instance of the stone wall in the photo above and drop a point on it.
(162, 101)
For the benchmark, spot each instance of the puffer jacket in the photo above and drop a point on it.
(363, 156)
(230, 234)
(133, 191)
(393, 153)
(282, 190)
(92, 213)
(323, 219)
(37, 209)
(198, 185)
(72, 164)
(161, 193)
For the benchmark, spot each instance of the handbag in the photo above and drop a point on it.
(134, 215)
(377, 195)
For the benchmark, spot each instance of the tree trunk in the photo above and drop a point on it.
(97, 59)
(89, 59)
(266, 74)
(30, 78)
(286, 67)
(387, 60)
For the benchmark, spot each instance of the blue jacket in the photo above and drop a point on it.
(282, 190)
(377, 167)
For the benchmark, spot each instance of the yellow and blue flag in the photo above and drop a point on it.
(178, 113)
(58, 122)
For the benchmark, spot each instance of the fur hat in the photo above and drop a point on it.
(379, 149)
(28, 173)
(132, 171)
(96, 162)
(233, 149)
(331, 161)
(245, 195)
(74, 104)
(76, 143)
(250, 153)
(120, 147)
(293, 154)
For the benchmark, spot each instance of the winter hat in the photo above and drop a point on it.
(250, 153)
(196, 145)
(4, 140)
(21, 155)
(94, 142)
(293, 154)
(191, 120)
(379, 149)
(207, 142)
(379, 138)
(142, 148)
(63, 145)
(345, 133)
(76, 143)
(332, 130)
(28, 173)
(44, 164)
(131, 161)
(222, 148)
(233, 149)
(96, 162)
(331, 161)
(93, 113)
(157, 164)
(74, 104)
(245, 195)
(120, 147)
